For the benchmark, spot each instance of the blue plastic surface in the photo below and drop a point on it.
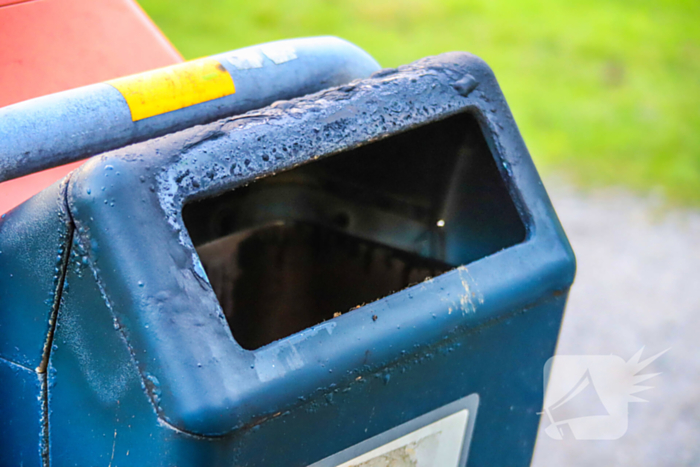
(145, 369)
(21, 420)
(72, 125)
(33, 245)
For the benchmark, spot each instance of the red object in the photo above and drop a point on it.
(48, 46)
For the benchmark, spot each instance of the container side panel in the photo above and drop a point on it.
(20, 423)
(92, 369)
(33, 240)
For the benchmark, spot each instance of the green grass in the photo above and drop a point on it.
(606, 91)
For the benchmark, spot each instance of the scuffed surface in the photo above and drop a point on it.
(127, 209)
(33, 242)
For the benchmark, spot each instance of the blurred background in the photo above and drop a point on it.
(608, 90)
(607, 97)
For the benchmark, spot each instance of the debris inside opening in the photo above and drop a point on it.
(294, 249)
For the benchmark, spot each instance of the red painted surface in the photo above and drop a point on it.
(48, 46)
(13, 2)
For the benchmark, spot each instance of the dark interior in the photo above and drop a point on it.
(297, 248)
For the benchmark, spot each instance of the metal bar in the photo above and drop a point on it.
(72, 125)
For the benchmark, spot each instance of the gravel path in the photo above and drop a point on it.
(637, 284)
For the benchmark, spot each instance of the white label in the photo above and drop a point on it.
(439, 438)
(246, 59)
(279, 53)
(436, 445)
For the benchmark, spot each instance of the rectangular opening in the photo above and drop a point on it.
(292, 250)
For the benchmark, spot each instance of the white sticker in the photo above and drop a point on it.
(436, 445)
(279, 53)
(438, 439)
(246, 59)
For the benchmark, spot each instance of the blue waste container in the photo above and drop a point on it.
(366, 276)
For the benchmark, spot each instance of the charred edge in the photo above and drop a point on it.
(44, 436)
(43, 366)
(41, 369)
(503, 165)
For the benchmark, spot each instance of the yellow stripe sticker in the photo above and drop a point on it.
(174, 87)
